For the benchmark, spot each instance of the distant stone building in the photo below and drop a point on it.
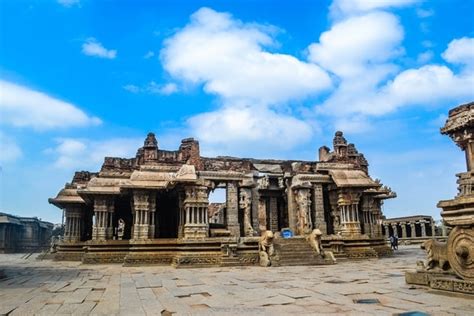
(163, 198)
(412, 229)
(23, 234)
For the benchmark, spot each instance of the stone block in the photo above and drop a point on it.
(419, 278)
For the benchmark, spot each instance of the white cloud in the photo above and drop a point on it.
(69, 3)
(425, 57)
(9, 150)
(149, 54)
(424, 13)
(23, 107)
(164, 89)
(361, 50)
(343, 8)
(357, 44)
(72, 153)
(229, 58)
(249, 127)
(460, 51)
(132, 88)
(92, 47)
(153, 88)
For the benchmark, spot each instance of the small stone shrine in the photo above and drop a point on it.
(450, 266)
(154, 209)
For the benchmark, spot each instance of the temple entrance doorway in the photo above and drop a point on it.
(167, 210)
(123, 210)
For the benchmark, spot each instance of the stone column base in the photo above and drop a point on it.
(440, 281)
(195, 231)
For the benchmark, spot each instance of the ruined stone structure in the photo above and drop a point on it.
(23, 234)
(162, 198)
(450, 266)
(412, 229)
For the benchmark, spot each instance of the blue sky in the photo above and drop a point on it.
(81, 79)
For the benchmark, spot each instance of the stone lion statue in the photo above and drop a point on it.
(437, 254)
(314, 239)
(265, 248)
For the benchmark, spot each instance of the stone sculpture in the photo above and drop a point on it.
(120, 229)
(314, 240)
(437, 254)
(458, 214)
(265, 248)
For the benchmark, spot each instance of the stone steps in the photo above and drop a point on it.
(296, 252)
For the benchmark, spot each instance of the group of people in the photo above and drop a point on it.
(394, 242)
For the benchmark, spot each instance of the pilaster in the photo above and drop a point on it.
(319, 220)
(233, 209)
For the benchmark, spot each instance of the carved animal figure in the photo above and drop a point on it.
(437, 254)
(314, 240)
(265, 248)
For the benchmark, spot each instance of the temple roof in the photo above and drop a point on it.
(352, 178)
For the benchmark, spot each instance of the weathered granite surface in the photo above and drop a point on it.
(53, 288)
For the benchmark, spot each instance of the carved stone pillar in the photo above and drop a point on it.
(404, 230)
(413, 229)
(292, 208)
(255, 203)
(319, 220)
(394, 229)
(195, 206)
(245, 204)
(103, 211)
(433, 231)
(73, 224)
(303, 202)
(232, 205)
(367, 215)
(387, 231)
(349, 208)
(143, 209)
(262, 215)
(423, 228)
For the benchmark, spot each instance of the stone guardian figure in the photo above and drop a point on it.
(265, 248)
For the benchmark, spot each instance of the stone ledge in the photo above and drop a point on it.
(440, 281)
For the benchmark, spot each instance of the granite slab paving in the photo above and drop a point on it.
(34, 287)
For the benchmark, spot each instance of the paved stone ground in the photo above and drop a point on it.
(65, 288)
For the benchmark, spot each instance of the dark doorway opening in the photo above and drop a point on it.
(167, 210)
(123, 210)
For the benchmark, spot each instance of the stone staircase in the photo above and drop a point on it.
(295, 251)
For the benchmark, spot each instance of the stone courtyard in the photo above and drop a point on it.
(45, 287)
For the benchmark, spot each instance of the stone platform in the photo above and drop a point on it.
(72, 288)
(440, 281)
(216, 251)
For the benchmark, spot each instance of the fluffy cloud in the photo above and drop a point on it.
(91, 47)
(353, 45)
(231, 60)
(364, 42)
(149, 55)
(342, 8)
(248, 126)
(153, 88)
(10, 151)
(23, 107)
(460, 51)
(72, 153)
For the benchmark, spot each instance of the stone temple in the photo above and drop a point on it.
(154, 208)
